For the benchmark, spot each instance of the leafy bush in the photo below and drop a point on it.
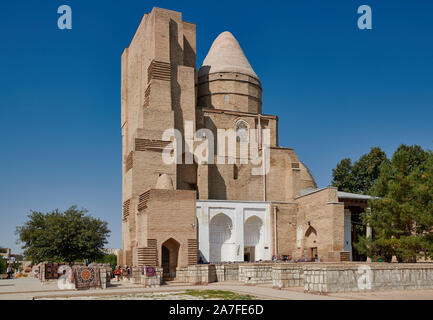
(3, 266)
(109, 258)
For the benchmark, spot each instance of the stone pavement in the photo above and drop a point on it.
(30, 288)
(388, 295)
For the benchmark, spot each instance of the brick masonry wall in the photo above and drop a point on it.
(286, 228)
(172, 215)
(322, 212)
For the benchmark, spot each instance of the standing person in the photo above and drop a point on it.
(117, 273)
(124, 272)
(9, 271)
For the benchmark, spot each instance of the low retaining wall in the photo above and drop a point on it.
(152, 281)
(226, 272)
(201, 274)
(367, 277)
(105, 274)
(207, 273)
(255, 273)
(197, 274)
(182, 274)
(139, 277)
(286, 276)
(314, 277)
(231, 272)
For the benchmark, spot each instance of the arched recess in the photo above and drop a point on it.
(169, 258)
(242, 131)
(253, 239)
(310, 245)
(220, 234)
(310, 231)
(187, 173)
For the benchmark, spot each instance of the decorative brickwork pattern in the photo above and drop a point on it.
(143, 199)
(129, 161)
(159, 70)
(192, 251)
(126, 207)
(147, 96)
(145, 144)
(148, 256)
(345, 256)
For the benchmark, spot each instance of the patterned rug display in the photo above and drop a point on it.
(87, 277)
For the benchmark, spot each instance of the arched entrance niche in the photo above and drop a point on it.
(187, 173)
(310, 247)
(220, 234)
(253, 235)
(169, 258)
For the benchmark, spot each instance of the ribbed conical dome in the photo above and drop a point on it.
(226, 55)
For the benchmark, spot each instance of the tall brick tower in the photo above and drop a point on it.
(158, 93)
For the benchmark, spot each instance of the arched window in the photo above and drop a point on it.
(242, 131)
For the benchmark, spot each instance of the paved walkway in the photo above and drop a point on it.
(30, 288)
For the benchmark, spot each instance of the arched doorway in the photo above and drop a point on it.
(169, 258)
(310, 247)
(220, 234)
(252, 239)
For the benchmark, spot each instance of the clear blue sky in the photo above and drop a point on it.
(337, 90)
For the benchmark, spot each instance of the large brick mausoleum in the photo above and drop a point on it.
(219, 210)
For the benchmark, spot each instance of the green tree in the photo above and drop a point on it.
(359, 177)
(402, 218)
(3, 250)
(367, 169)
(109, 258)
(63, 236)
(3, 266)
(343, 177)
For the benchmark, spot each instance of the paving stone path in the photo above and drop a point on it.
(30, 288)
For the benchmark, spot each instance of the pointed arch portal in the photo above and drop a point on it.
(169, 258)
(310, 248)
(252, 239)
